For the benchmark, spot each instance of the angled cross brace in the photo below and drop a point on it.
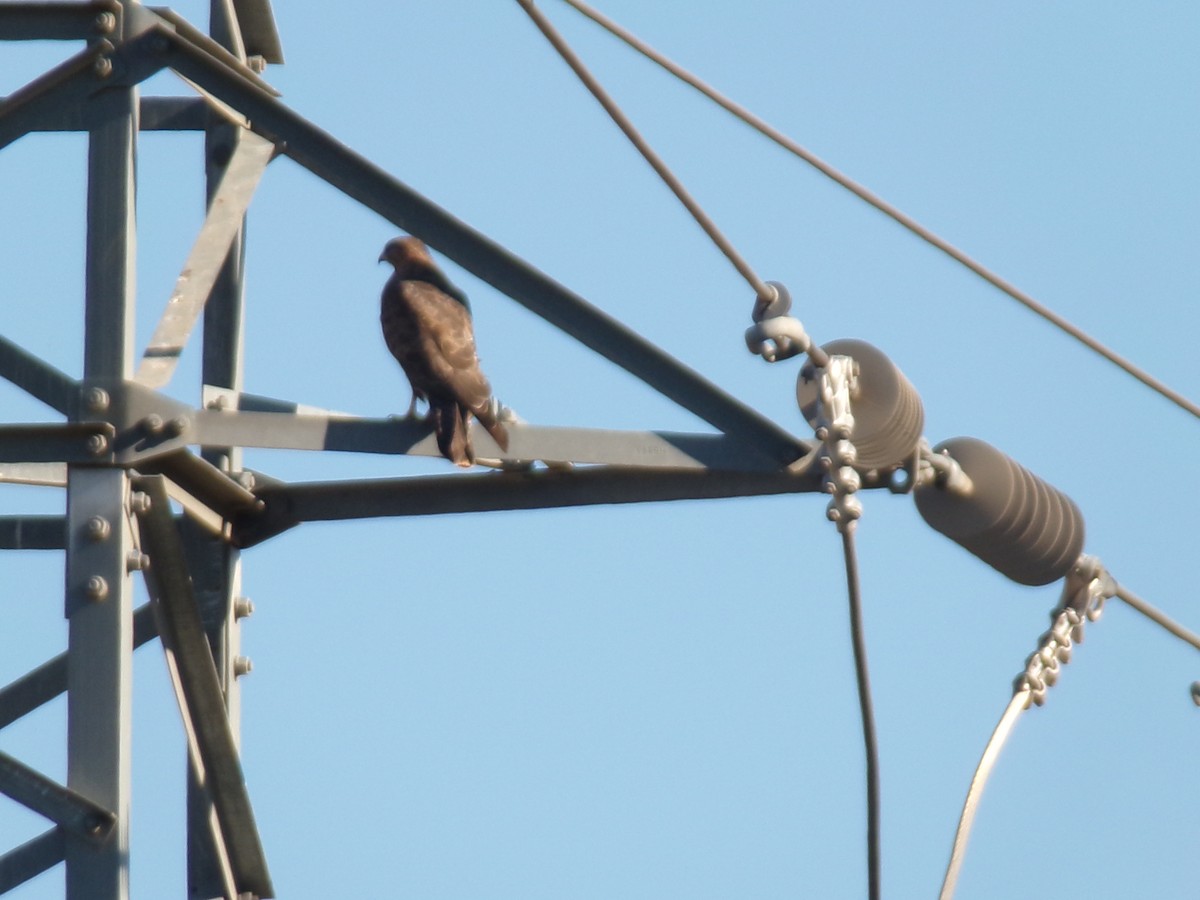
(31, 859)
(37, 377)
(49, 680)
(155, 114)
(63, 807)
(210, 740)
(195, 282)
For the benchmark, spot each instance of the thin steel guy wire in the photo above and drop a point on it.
(886, 208)
(644, 148)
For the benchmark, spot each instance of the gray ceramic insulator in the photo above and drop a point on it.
(1011, 519)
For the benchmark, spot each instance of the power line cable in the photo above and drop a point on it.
(886, 208)
(1158, 617)
(764, 292)
(866, 707)
(983, 771)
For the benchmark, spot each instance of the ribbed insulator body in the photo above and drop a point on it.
(1011, 519)
(888, 416)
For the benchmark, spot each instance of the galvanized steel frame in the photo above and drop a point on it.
(126, 447)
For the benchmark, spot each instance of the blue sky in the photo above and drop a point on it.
(659, 701)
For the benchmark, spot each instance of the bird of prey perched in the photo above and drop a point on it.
(427, 325)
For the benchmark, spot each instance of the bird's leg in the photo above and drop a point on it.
(412, 407)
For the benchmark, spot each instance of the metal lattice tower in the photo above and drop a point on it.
(127, 451)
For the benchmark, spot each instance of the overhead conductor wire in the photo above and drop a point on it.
(866, 707)
(1021, 701)
(635, 138)
(1158, 617)
(983, 771)
(886, 208)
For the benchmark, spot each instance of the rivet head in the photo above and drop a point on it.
(97, 444)
(105, 22)
(243, 607)
(242, 665)
(102, 67)
(95, 588)
(139, 503)
(137, 561)
(98, 528)
(178, 425)
(153, 423)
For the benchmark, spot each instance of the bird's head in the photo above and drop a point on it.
(403, 252)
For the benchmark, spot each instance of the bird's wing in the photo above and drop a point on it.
(448, 337)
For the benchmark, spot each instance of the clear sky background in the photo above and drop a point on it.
(658, 701)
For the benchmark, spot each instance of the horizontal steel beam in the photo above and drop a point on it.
(31, 859)
(62, 806)
(49, 680)
(210, 739)
(287, 505)
(45, 474)
(57, 21)
(74, 442)
(33, 533)
(365, 182)
(653, 449)
(155, 114)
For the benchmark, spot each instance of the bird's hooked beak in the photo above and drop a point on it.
(382, 257)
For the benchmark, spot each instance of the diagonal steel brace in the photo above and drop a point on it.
(60, 805)
(197, 688)
(199, 274)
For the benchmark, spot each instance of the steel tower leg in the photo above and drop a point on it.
(98, 588)
(215, 565)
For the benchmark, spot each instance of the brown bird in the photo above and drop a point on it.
(427, 325)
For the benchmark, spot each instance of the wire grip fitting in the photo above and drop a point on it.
(775, 335)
